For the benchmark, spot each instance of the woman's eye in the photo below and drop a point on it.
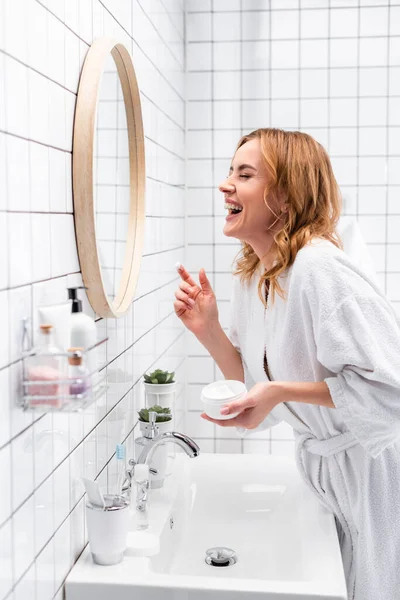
(245, 176)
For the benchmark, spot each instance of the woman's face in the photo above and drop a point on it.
(245, 187)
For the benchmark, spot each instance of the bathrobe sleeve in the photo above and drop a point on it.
(360, 343)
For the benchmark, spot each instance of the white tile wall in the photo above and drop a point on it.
(331, 69)
(43, 44)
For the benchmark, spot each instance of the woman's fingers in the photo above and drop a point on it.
(180, 308)
(185, 275)
(237, 407)
(236, 422)
(179, 295)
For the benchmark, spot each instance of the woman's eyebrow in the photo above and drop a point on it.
(242, 167)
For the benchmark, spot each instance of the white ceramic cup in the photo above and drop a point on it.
(215, 395)
(108, 529)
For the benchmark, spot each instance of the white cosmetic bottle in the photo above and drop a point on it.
(83, 332)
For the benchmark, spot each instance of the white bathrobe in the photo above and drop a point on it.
(336, 326)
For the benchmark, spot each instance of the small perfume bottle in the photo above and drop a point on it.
(44, 370)
(77, 373)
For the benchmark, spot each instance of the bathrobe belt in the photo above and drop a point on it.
(329, 446)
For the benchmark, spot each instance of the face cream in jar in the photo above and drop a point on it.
(215, 395)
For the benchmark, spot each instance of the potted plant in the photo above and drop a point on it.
(160, 388)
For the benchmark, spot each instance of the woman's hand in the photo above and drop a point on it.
(195, 305)
(253, 408)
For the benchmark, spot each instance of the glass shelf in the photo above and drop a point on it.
(54, 395)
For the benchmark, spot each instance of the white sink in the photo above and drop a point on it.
(285, 542)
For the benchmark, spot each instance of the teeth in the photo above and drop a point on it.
(229, 206)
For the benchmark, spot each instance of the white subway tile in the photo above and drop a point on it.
(251, 446)
(284, 24)
(56, 49)
(343, 82)
(373, 81)
(199, 115)
(4, 276)
(255, 84)
(199, 144)
(197, 427)
(343, 52)
(394, 51)
(22, 468)
(255, 25)
(198, 27)
(226, 56)
(228, 5)
(343, 112)
(374, 21)
(373, 228)
(37, 36)
(23, 538)
(44, 514)
(198, 5)
(372, 200)
(228, 446)
(39, 101)
(61, 491)
(62, 552)
(285, 84)
(20, 250)
(43, 448)
(15, 34)
(57, 182)
(5, 480)
(199, 56)
(26, 588)
(285, 113)
(16, 97)
(372, 111)
(343, 140)
(372, 171)
(313, 83)
(373, 52)
(6, 570)
(343, 22)
(372, 140)
(313, 113)
(282, 448)
(72, 62)
(199, 86)
(284, 54)
(226, 26)
(45, 572)
(314, 23)
(313, 53)
(228, 85)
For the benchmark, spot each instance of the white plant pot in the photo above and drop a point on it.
(159, 458)
(162, 394)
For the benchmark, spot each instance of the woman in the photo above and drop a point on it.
(316, 343)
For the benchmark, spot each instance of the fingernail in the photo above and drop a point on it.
(178, 266)
(225, 411)
(191, 301)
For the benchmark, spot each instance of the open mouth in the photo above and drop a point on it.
(233, 209)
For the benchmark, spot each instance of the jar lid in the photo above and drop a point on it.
(76, 358)
(222, 391)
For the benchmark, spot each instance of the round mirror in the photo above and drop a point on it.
(109, 178)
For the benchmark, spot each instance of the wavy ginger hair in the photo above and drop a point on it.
(300, 175)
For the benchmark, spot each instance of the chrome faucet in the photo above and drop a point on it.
(154, 440)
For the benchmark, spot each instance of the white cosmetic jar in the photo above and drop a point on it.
(215, 395)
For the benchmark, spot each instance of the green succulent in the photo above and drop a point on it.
(163, 414)
(159, 376)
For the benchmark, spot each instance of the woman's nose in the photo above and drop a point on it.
(226, 187)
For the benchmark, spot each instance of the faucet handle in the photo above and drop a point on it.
(153, 430)
(132, 462)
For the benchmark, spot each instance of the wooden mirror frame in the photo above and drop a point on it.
(82, 177)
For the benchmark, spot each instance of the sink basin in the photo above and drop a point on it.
(285, 542)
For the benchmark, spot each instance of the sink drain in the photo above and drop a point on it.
(221, 557)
